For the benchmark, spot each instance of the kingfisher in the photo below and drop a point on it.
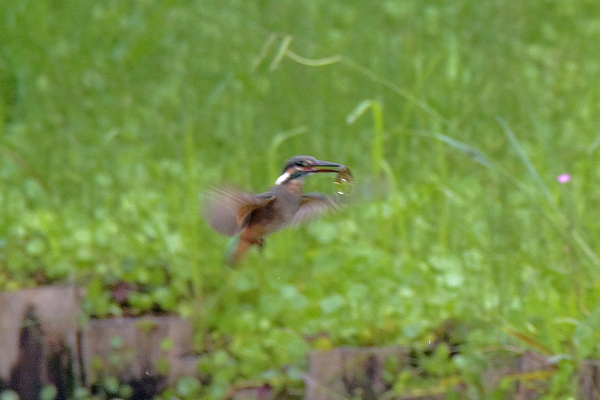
(251, 217)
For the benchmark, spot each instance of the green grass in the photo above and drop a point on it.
(114, 116)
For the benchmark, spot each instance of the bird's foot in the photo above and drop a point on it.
(258, 243)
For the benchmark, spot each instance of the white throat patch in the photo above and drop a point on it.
(284, 177)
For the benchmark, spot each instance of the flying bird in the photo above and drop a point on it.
(251, 217)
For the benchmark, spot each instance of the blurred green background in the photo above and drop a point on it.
(455, 117)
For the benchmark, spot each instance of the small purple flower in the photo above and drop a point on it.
(563, 178)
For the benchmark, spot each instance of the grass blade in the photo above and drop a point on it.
(377, 146)
(464, 148)
(521, 153)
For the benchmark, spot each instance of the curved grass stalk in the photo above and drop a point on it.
(263, 53)
(313, 63)
(285, 51)
(281, 52)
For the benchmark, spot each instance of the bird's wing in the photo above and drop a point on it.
(227, 209)
(313, 205)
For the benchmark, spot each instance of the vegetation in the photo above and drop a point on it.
(456, 118)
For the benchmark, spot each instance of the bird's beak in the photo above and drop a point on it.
(324, 166)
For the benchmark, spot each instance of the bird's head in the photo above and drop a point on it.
(298, 167)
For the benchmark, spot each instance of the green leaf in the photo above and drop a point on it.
(245, 280)
(36, 246)
(332, 303)
(165, 298)
(111, 384)
(188, 386)
(9, 395)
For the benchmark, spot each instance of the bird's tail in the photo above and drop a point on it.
(236, 250)
(238, 247)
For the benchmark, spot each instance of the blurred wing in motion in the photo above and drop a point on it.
(312, 206)
(227, 209)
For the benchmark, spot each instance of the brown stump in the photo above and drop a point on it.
(41, 349)
(141, 351)
(350, 373)
(589, 380)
